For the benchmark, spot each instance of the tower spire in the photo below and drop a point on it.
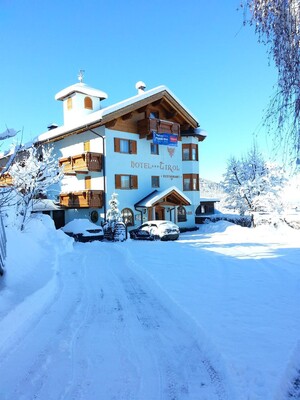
(81, 75)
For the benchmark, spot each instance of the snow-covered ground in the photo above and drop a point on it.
(214, 315)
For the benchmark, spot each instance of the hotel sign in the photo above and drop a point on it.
(166, 139)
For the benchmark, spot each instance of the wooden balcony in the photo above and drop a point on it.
(147, 125)
(82, 163)
(82, 199)
(5, 180)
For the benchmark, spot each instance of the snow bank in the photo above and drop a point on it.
(31, 259)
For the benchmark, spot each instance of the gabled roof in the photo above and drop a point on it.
(80, 88)
(107, 114)
(157, 196)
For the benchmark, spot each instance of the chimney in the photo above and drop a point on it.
(140, 86)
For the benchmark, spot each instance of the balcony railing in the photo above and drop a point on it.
(147, 125)
(82, 199)
(82, 163)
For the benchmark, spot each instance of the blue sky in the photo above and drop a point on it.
(198, 48)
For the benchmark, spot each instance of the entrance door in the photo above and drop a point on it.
(159, 213)
(59, 218)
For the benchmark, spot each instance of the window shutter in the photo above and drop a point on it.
(134, 181)
(69, 103)
(86, 146)
(133, 147)
(117, 145)
(118, 181)
(88, 182)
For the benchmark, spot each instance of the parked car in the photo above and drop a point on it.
(82, 230)
(156, 230)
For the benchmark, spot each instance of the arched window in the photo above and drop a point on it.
(88, 103)
(69, 103)
(181, 214)
(127, 216)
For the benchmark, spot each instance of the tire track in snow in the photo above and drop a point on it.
(108, 335)
(151, 320)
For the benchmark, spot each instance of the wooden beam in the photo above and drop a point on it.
(127, 116)
(157, 102)
(111, 123)
(185, 127)
(142, 109)
(171, 114)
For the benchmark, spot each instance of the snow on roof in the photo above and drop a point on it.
(80, 88)
(97, 116)
(208, 199)
(142, 96)
(45, 205)
(155, 196)
(200, 131)
(10, 132)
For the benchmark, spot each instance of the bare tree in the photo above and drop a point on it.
(277, 23)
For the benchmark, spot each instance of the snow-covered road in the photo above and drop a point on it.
(214, 315)
(97, 330)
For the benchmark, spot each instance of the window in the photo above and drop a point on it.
(185, 153)
(181, 214)
(189, 152)
(206, 208)
(155, 181)
(154, 114)
(125, 146)
(94, 216)
(190, 182)
(69, 103)
(126, 181)
(154, 148)
(88, 103)
(127, 216)
(194, 154)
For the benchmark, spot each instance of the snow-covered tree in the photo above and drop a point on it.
(277, 23)
(32, 172)
(114, 225)
(253, 185)
(113, 214)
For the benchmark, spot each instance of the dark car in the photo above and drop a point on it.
(82, 230)
(156, 230)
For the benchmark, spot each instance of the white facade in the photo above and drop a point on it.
(160, 173)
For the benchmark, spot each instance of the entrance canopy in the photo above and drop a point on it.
(168, 197)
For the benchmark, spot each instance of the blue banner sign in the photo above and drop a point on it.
(167, 139)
